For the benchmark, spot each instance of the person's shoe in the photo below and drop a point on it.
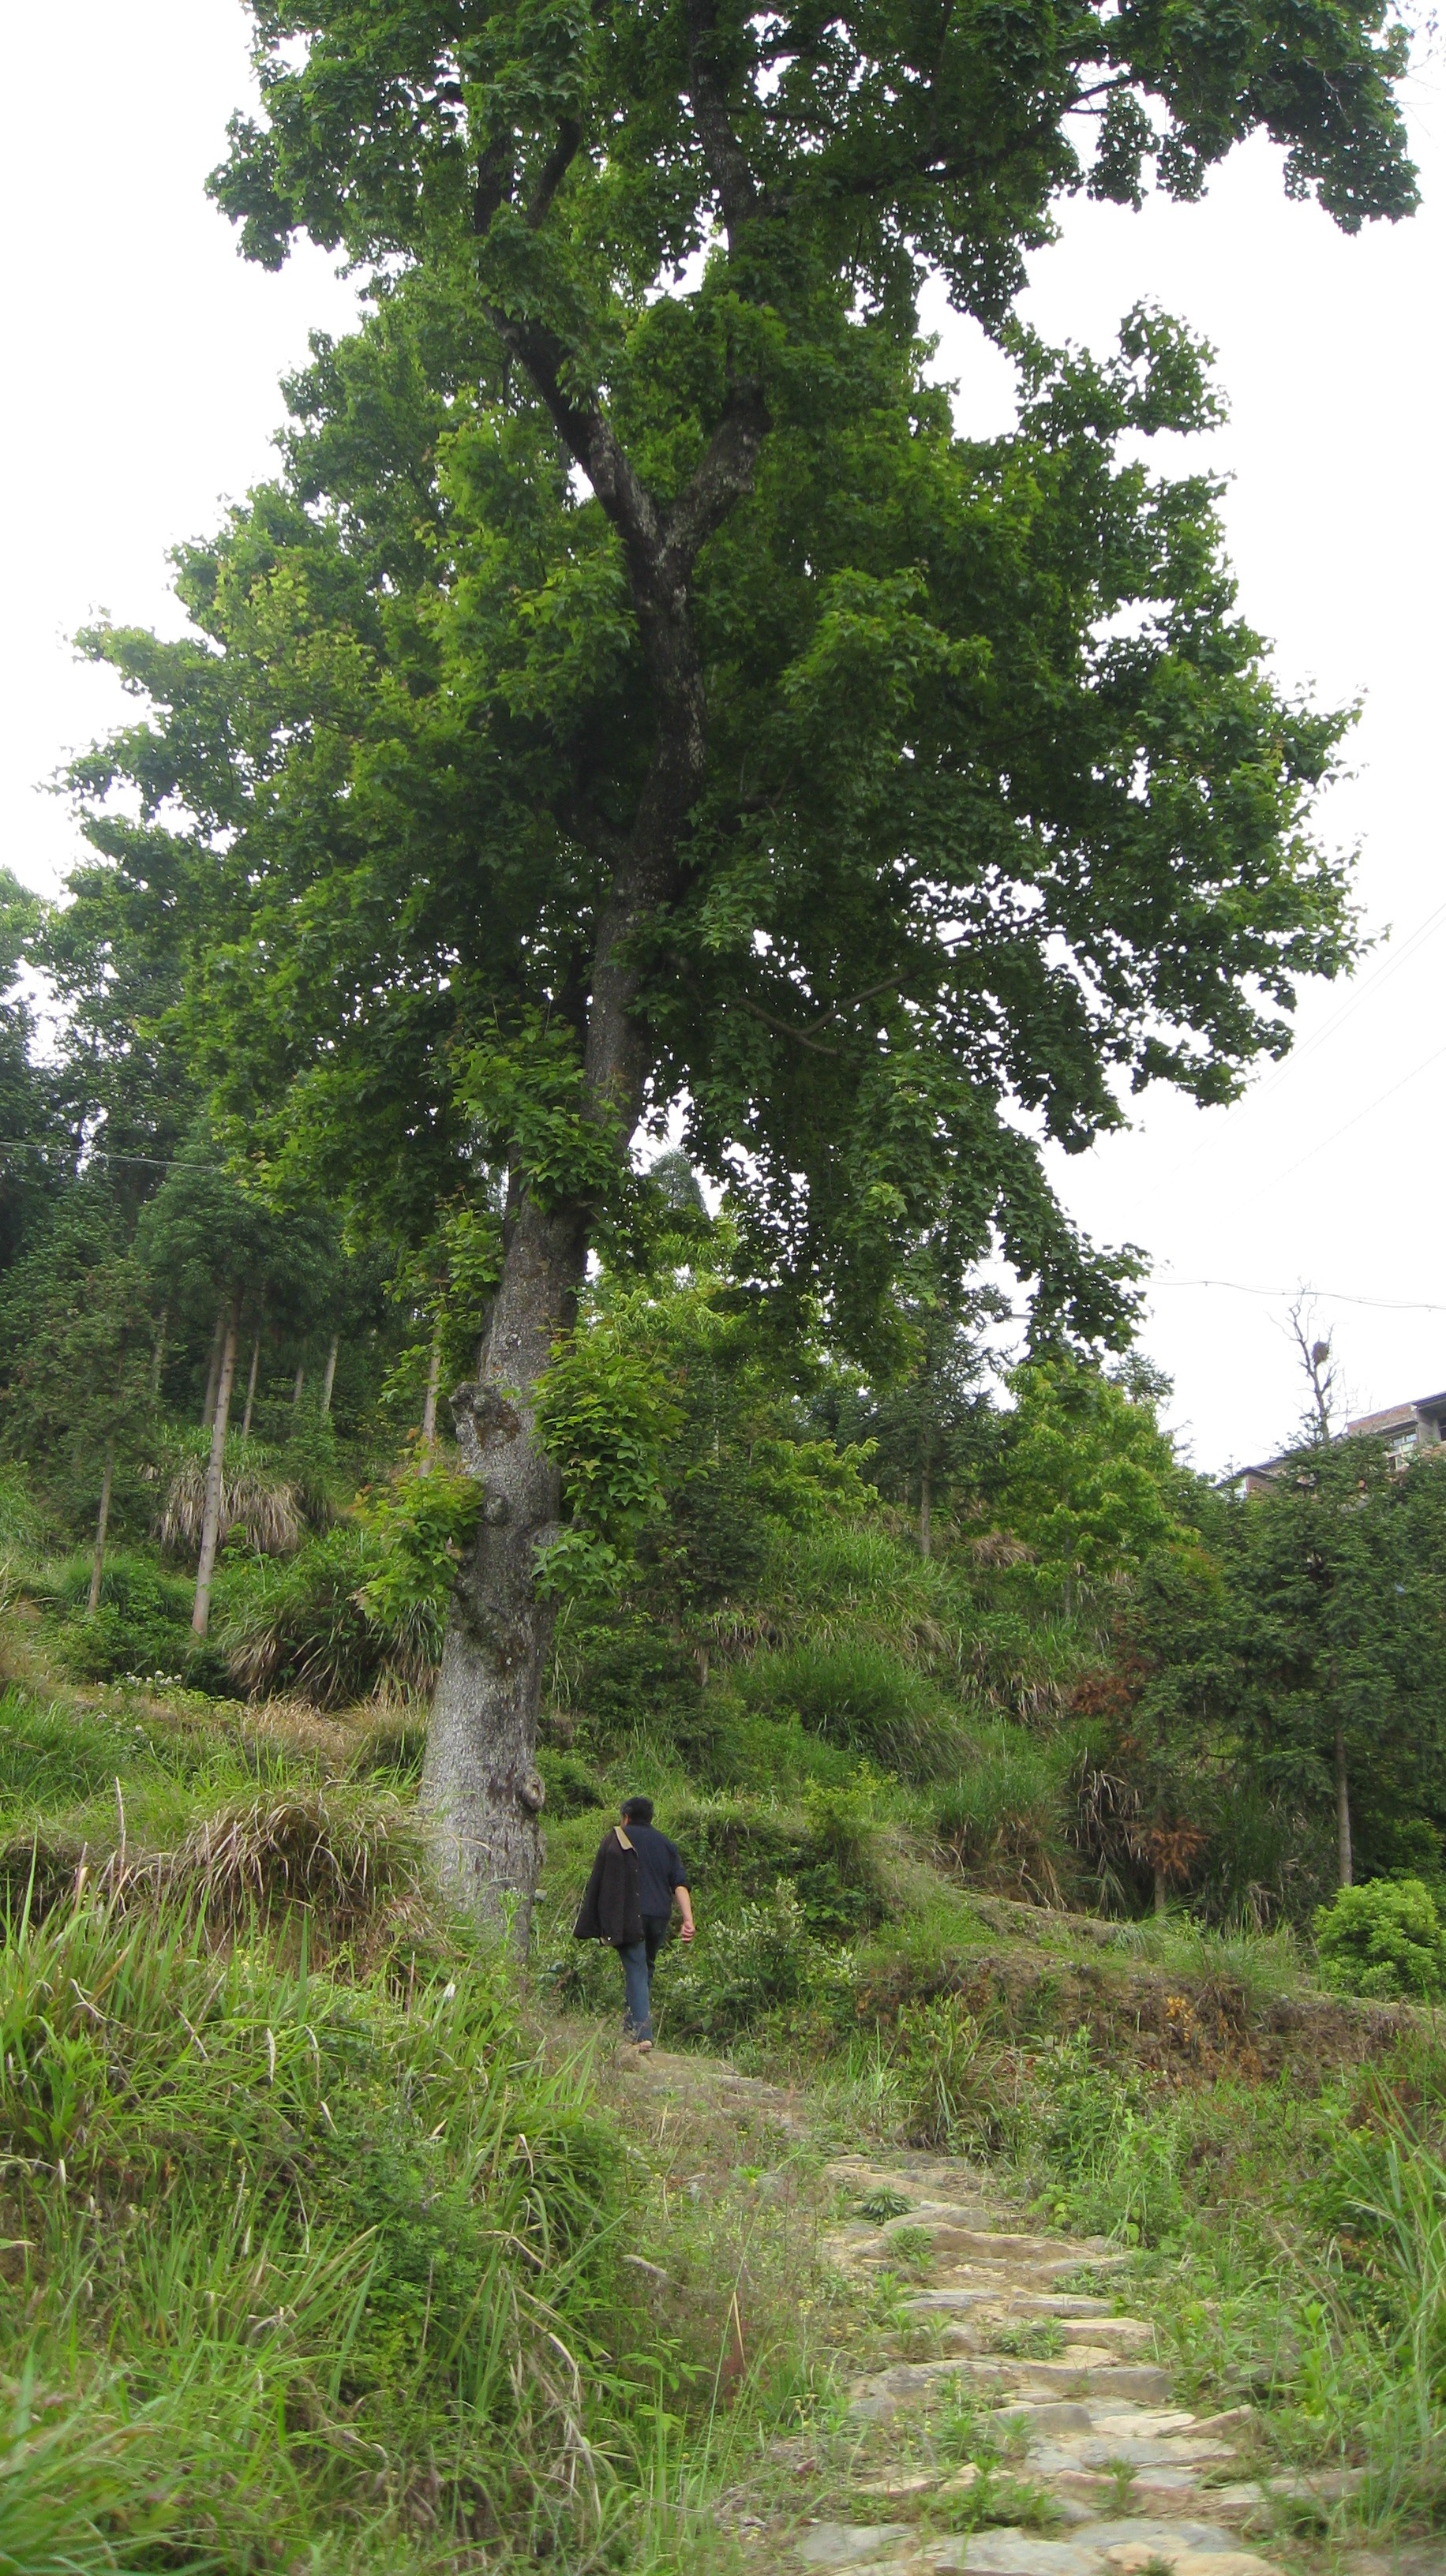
(642, 2046)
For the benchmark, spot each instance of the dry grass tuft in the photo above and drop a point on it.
(350, 1865)
(340, 1859)
(265, 1510)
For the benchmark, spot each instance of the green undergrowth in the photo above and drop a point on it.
(315, 2266)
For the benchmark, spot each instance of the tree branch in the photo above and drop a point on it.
(554, 170)
(738, 193)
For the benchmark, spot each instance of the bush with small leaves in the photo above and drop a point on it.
(1384, 1939)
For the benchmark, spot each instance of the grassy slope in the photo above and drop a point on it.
(318, 2235)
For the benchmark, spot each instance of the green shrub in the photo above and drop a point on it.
(1005, 1817)
(306, 1624)
(1384, 1939)
(625, 1672)
(857, 1695)
(572, 1785)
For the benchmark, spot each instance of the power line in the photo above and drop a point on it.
(1336, 1296)
(104, 1154)
(1360, 992)
(1367, 1112)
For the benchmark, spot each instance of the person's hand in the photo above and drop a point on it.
(687, 1930)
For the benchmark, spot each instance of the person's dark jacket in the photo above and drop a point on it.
(611, 1909)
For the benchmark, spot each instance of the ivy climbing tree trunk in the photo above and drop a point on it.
(216, 1470)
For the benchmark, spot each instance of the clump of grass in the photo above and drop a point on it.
(306, 1626)
(1005, 1818)
(261, 1509)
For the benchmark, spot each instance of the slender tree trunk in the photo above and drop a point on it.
(329, 1381)
(427, 1448)
(926, 1502)
(97, 1561)
(296, 1392)
(1161, 1900)
(218, 1344)
(216, 1473)
(158, 1353)
(253, 1368)
(1343, 1811)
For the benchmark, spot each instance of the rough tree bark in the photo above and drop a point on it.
(480, 1785)
(97, 1560)
(216, 1471)
(1343, 1811)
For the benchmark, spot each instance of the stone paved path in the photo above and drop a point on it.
(1059, 2395)
(1023, 2426)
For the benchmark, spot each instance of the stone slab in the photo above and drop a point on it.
(849, 2544)
(1150, 2530)
(1026, 2553)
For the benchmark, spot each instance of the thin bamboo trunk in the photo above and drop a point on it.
(296, 1391)
(216, 1474)
(1161, 1900)
(429, 1407)
(1343, 1811)
(926, 1504)
(97, 1562)
(218, 1343)
(329, 1381)
(159, 1353)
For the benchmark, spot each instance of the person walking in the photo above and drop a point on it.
(637, 1879)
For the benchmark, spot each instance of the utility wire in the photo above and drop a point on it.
(1371, 1106)
(103, 1154)
(1368, 985)
(1335, 1296)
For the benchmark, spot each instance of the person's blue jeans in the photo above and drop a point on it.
(637, 1958)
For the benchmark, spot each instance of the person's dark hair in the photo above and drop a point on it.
(638, 1811)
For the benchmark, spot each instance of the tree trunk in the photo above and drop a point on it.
(1161, 1900)
(480, 1784)
(251, 1386)
(329, 1381)
(1343, 1811)
(296, 1391)
(216, 1473)
(428, 1445)
(97, 1562)
(926, 1500)
(218, 1344)
(158, 1354)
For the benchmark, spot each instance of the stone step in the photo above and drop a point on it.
(1090, 2371)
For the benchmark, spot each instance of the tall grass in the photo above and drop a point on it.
(285, 2255)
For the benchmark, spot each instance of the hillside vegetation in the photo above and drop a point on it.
(331, 2242)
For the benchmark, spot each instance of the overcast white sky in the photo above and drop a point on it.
(147, 359)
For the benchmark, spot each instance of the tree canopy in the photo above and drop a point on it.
(638, 699)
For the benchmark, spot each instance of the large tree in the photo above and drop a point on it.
(637, 697)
